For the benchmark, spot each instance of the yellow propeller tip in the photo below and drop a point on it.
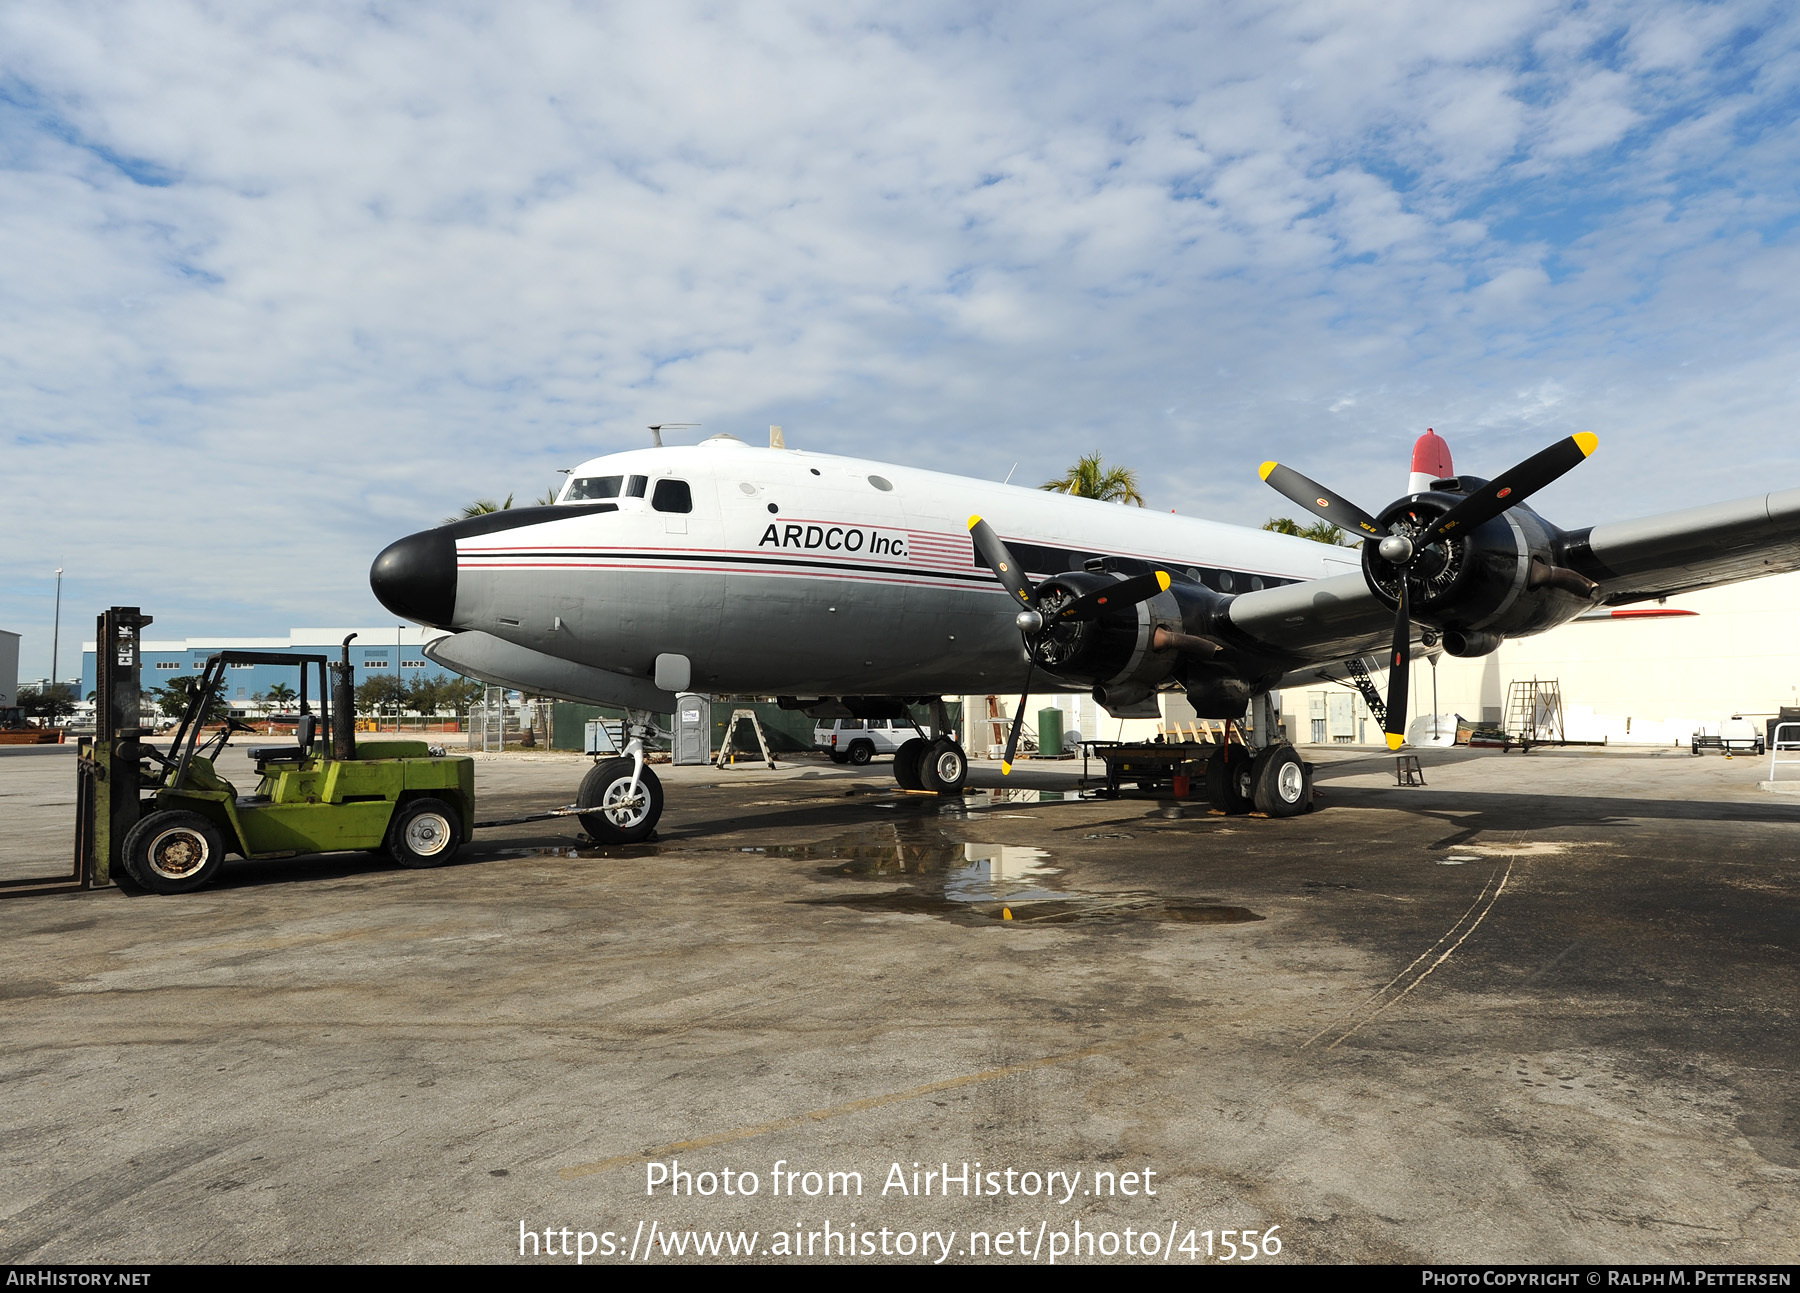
(1587, 442)
(1266, 468)
(1006, 769)
(1162, 580)
(1395, 740)
(1006, 913)
(974, 521)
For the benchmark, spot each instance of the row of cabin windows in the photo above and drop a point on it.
(668, 496)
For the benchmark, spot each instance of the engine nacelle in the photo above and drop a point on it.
(1127, 655)
(1502, 579)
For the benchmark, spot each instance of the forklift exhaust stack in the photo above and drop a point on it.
(343, 706)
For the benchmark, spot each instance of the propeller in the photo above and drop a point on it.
(1509, 489)
(1032, 622)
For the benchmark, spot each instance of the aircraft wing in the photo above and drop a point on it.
(1658, 556)
(1337, 618)
(1316, 621)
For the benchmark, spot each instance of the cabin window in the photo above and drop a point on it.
(881, 483)
(672, 496)
(583, 488)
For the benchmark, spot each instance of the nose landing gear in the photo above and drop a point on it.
(626, 797)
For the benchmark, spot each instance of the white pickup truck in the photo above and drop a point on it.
(856, 740)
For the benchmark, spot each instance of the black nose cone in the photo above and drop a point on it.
(415, 578)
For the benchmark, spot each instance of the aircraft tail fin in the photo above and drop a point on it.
(1430, 461)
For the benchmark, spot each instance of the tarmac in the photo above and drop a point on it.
(1540, 1010)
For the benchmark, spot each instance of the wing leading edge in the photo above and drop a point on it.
(1337, 618)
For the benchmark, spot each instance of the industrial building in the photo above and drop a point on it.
(385, 649)
(9, 669)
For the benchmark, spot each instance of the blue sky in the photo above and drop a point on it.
(284, 282)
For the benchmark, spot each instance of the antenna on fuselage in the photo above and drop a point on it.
(657, 430)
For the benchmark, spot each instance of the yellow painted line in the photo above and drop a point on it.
(839, 1110)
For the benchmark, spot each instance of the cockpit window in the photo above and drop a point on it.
(636, 488)
(672, 496)
(583, 488)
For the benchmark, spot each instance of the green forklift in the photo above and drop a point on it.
(325, 793)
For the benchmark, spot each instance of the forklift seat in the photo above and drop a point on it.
(303, 738)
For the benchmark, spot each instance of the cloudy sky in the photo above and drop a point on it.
(284, 282)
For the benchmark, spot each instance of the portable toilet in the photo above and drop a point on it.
(693, 729)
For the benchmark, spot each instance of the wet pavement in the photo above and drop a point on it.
(1539, 1010)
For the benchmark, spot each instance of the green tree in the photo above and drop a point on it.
(175, 694)
(1318, 531)
(480, 507)
(379, 693)
(1090, 478)
(50, 702)
(280, 694)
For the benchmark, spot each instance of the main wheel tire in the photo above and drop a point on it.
(906, 763)
(173, 852)
(619, 819)
(840, 756)
(861, 752)
(944, 768)
(1282, 787)
(1228, 785)
(424, 833)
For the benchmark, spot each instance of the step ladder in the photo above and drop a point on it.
(730, 743)
(1534, 711)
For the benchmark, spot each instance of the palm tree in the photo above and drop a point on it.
(1089, 479)
(480, 507)
(1318, 531)
(279, 694)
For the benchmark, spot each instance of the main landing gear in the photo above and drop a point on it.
(1273, 780)
(936, 764)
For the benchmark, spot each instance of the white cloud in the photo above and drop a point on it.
(287, 281)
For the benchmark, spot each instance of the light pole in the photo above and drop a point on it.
(56, 629)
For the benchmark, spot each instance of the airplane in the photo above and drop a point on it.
(854, 588)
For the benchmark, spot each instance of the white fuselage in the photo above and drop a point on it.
(799, 573)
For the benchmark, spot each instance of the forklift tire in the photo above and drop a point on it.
(1283, 786)
(424, 832)
(906, 763)
(173, 852)
(1228, 784)
(605, 788)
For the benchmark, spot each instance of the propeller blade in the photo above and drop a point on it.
(1012, 739)
(1127, 592)
(1398, 672)
(1512, 487)
(1005, 566)
(1321, 502)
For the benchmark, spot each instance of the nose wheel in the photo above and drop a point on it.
(622, 813)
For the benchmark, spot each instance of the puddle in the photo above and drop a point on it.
(973, 883)
(1065, 911)
(986, 801)
(585, 851)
